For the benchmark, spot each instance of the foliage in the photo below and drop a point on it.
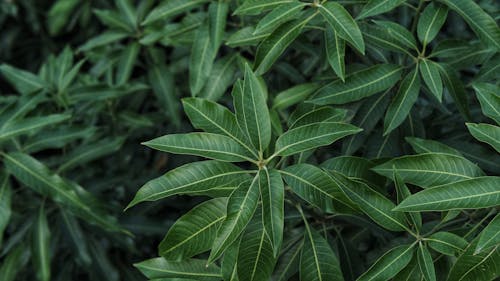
(333, 140)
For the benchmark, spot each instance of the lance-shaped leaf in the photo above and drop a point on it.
(257, 6)
(5, 203)
(398, 33)
(425, 263)
(430, 22)
(427, 146)
(479, 21)
(217, 13)
(251, 110)
(430, 169)
(38, 177)
(402, 193)
(41, 246)
(489, 98)
(456, 88)
(207, 145)
(489, 69)
(276, 43)
(214, 118)
(279, 15)
(335, 52)
(358, 85)
(24, 82)
(314, 186)
(245, 37)
(53, 139)
(383, 36)
(343, 24)
(294, 95)
(481, 192)
(486, 133)
(255, 255)
(375, 7)
(317, 260)
(221, 77)
(126, 63)
(77, 237)
(401, 105)
(389, 264)
(194, 232)
(229, 262)
(170, 9)
(311, 136)
(354, 167)
(372, 203)
(190, 178)
(446, 243)
(29, 125)
(201, 61)
(14, 262)
(127, 10)
(490, 236)
(318, 115)
(476, 267)
(240, 209)
(430, 74)
(272, 193)
(162, 83)
(189, 269)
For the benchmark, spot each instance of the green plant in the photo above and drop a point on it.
(360, 140)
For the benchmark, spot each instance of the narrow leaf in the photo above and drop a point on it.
(126, 63)
(41, 246)
(279, 15)
(335, 52)
(185, 269)
(272, 193)
(446, 243)
(5, 203)
(430, 74)
(490, 235)
(170, 9)
(488, 97)
(375, 7)
(486, 133)
(430, 22)
(294, 95)
(425, 263)
(24, 82)
(389, 264)
(201, 61)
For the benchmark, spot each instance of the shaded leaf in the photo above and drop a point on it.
(185, 269)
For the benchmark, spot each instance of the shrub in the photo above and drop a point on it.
(360, 140)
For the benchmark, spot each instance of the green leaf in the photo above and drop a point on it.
(14, 262)
(162, 83)
(77, 237)
(272, 192)
(318, 115)
(58, 15)
(102, 39)
(170, 9)
(425, 263)
(398, 33)
(255, 254)
(279, 15)
(375, 7)
(127, 10)
(194, 232)
(276, 43)
(288, 263)
(353, 167)
(311, 136)
(335, 52)
(430, 169)
(201, 60)
(430, 22)
(479, 21)
(126, 63)
(245, 37)
(5, 203)
(446, 243)
(229, 260)
(41, 246)
(490, 235)
(214, 118)
(428, 146)
(221, 77)
(314, 186)
(317, 259)
(489, 69)
(486, 133)
(387, 37)
(217, 13)
(372, 203)
(190, 178)
(430, 74)
(403, 192)
(240, 209)
(251, 110)
(207, 145)
(476, 267)
(488, 97)
(343, 24)
(294, 95)
(402, 103)
(23, 81)
(389, 264)
(256, 6)
(29, 125)
(481, 192)
(185, 269)
(456, 88)
(358, 85)
(38, 177)
(113, 20)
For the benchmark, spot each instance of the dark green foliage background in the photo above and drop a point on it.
(128, 90)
